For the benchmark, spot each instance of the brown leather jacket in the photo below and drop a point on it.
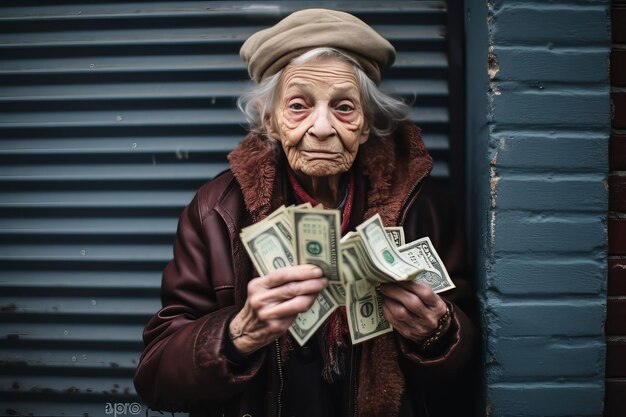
(184, 367)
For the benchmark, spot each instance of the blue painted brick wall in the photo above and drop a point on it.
(538, 129)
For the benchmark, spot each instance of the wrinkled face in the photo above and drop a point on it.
(318, 117)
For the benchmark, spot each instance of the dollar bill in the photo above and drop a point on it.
(383, 252)
(396, 234)
(338, 292)
(354, 252)
(281, 217)
(350, 264)
(307, 323)
(316, 240)
(268, 249)
(348, 236)
(364, 308)
(422, 252)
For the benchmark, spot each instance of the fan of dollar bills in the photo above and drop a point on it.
(353, 264)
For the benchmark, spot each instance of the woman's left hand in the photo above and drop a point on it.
(412, 308)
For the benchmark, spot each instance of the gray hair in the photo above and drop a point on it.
(382, 112)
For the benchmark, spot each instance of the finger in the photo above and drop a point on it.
(291, 273)
(423, 323)
(296, 288)
(403, 321)
(398, 312)
(406, 298)
(289, 308)
(427, 295)
(284, 275)
(264, 297)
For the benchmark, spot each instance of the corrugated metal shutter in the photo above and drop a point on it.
(112, 115)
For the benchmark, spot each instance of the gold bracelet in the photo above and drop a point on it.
(442, 327)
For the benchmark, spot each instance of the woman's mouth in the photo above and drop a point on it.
(319, 154)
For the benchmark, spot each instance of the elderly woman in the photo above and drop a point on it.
(321, 132)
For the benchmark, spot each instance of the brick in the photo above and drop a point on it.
(558, 25)
(515, 276)
(545, 400)
(554, 317)
(617, 152)
(553, 106)
(546, 358)
(617, 192)
(551, 65)
(615, 363)
(541, 192)
(617, 277)
(614, 404)
(615, 317)
(618, 67)
(521, 233)
(497, 4)
(619, 110)
(617, 236)
(565, 152)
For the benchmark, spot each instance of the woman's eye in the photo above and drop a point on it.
(345, 108)
(296, 106)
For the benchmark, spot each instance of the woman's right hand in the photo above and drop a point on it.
(273, 302)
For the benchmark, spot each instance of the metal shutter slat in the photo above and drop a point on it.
(76, 281)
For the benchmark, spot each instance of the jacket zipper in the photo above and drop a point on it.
(353, 380)
(279, 364)
(409, 200)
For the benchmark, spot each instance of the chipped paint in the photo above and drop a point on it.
(492, 228)
(492, 63)
(495, 88)
(502, 144)
(494, 179)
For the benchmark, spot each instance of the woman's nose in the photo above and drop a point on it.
(322, 127)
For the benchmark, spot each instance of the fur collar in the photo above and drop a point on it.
(393, 166)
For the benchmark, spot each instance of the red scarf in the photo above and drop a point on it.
(303, 197)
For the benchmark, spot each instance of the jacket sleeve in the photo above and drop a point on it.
(184, 365)
(434, 216)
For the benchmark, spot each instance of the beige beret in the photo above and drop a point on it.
(268, 51)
